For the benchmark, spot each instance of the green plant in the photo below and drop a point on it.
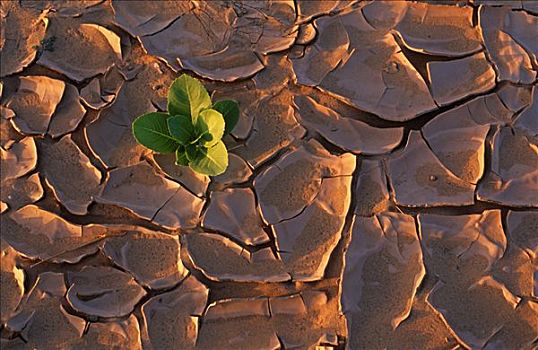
(45, 45)
(193, 127)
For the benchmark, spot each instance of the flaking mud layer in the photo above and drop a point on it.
(382, 188)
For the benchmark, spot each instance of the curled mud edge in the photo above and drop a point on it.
(382, 191)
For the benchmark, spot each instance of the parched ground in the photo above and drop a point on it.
(382, 191)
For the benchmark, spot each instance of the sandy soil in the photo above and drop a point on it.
(382, 191)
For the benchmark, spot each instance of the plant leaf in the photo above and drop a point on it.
(192, 152)
(187, 96)
(181, 156)
(210, 122)
(230, 111)
(213, 162)
(151, 131)
(181, 128)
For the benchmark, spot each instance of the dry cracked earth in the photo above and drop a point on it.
(382, 191)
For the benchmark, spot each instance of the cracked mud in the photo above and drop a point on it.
(382, 191)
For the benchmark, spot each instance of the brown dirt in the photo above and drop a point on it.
(393, 236)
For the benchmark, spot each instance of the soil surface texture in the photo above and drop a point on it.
(382, 188)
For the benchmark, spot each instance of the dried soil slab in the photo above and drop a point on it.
(101, 91)
(195, 182)
(42, 310)
(520, 332)
(110, 136)
(8, 134)
(384, 14)
(475, 313)
(34, 103)
(306, 241)
(439, 30)
(288, 305)
(220, 259)
(306, 320)
(269, 26)
(238, 324)
(330, 49)
(491, 109)
(145, 18)
(515, 97)
(76, 254)
(228, 64)
(346, 133)
(515, 270)
(21, 31)
(511, 60)
(103, 291)
(170, 319)
(113, 144)
(69, 113)
(12, 344)
(274, 127)
(306, 195)
(64, 9)
(527, 121)
(19, 159)
(522, 27)
(234, 212)
(349, 53)
(183, 210)
(19, 192)
(45, 105)
(461, 249)
(94, 96)
(457, 137)
(307, 9)
(513, 179)
(423, 329)
(151, 257)
(237, 172)
(382, 270)
(80, 50)
(150, 196)
(12, 283)
(276, 75)
(371, 193)
(299, 321)
(514, 4)
(39, 234)
(228, 49)
(292, 183)
(530, 7)
(420, 179)
(248, 97)
(123, 335)
(456, 79)
(522, 226)
(70, 174)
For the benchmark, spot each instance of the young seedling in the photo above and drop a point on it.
(192, 129)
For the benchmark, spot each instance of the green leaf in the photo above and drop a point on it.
(187, 96)
(181, 128)
(210, 122)
(214, 161)
(192, 152)
(181, 156)
(151, 131)
(230, 111)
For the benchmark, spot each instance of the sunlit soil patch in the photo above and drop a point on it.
(381, 189)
